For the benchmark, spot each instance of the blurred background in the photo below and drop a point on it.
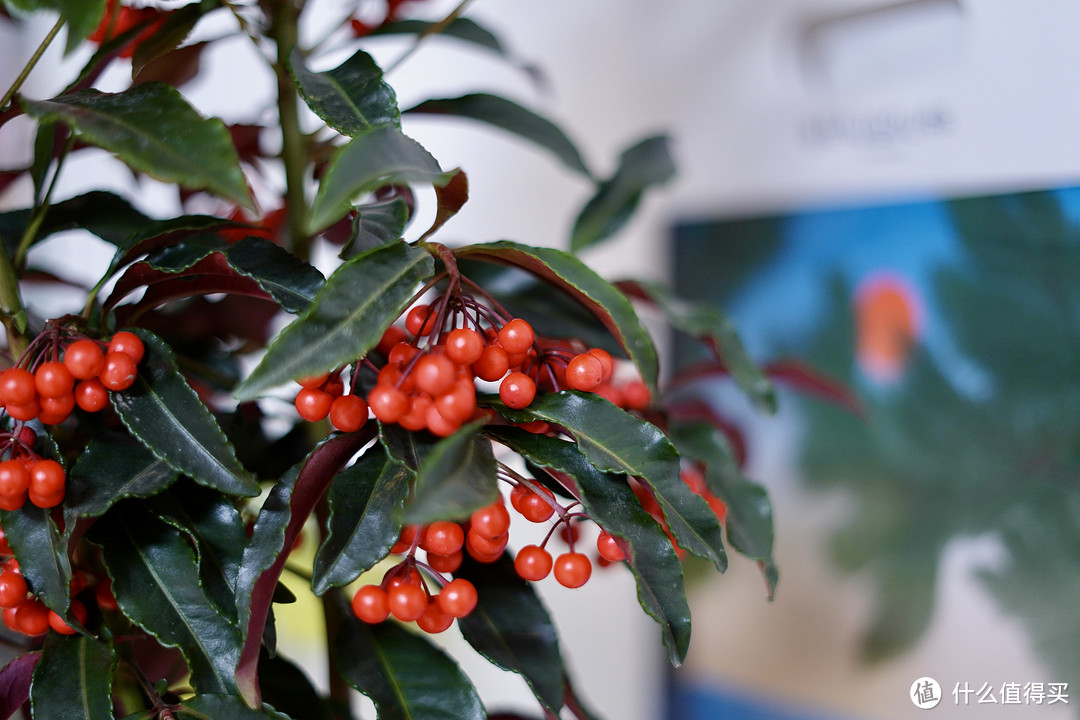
(881, 194)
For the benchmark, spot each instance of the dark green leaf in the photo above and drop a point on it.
(615, 441)
(365, 501)
(289, 280)
(460, 29)
(108, 216)
(569, 274)
(455, 478)
(508, 115)
(406, 676)
(214, 525)
(408, 448)
(74, 679)
(155, 579)
(224, 707)
(154, 130)
(641, 166)
(286, 686)
(511, 628)
(749, 512)
(111, 468)
(614, 506)
(377, 223)
(707, 323)
(173, 31)
(42, 554)
(352, 98)
(166, 415)
(45, 141)
(348, 317)
(380, 156)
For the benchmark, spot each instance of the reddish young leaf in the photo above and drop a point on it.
(15, 683)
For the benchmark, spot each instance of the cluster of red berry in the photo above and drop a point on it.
(48, 388)
(26, 614)
(428, 381)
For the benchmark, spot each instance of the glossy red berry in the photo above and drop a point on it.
(407, 601)
(584, 372)
(516, 336)
(537, 507)
(572, 569)
(314, 381)
(370, 604)
(464, 346)
(91, 395)
(608, 548)
(47, 478)
(348, 413)
(492, 365)
(445, 563)
(458, 598)
(129, 344)
(53, 379)
(434, 620)
(14, 479)
(517, 390)
(388, 403)
(406, 538)
(59, 624)
(636, 395)
(435, 374)
(313, 404)
(17, 386)
(443, 537)
(419, 320)
(490, 521)
(12, 589)
(606, 362)
(32, 617)
(533, 563)
(84, 359)
(120, 371)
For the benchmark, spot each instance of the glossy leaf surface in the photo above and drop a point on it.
(73, 679)
(456, 477)
(352, 98)
(42, 553)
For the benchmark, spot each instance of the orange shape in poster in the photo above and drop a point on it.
(888, 321)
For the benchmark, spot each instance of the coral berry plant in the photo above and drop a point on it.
(162, 448)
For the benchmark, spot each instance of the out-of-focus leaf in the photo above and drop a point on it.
(42, 554)
(80, 16)
(455, 478)
(73, 679)
(352, 98)
(348, 317)
(286, 686)
(642, 166)
(615, 441)
(461, 28)
(153, 129)
(173, 31)
(512, 117)
(166, 415)
(207, 706)
(451, 196)
(749, 512)
(511, 628)
(364, 502)
(613, 505)
(569, 274)
(15, 682)
(380, 156)
(406, 676)
(155, 579)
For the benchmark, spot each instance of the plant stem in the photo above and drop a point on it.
(434, 29)
(31, 63)
(286, 14)
(11, 305)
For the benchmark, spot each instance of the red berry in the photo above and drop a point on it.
(416, 418)
(60, 406)
(12, 589)
(91, 395)
(348, 413)
(490, 521)
(388, 403)
(120, 371)
(17, 386)
(313, 404)
(53, 379)
(584, 372)
(84, 358)
(445, 563)
(438, 424)
(485, 549)
(443, 537)
(129, 344)
(47, 477)
(406, 538)
(435, 374)
(572, 569)
(517, 390)
(32, 617)
(464, 346)
(393, 335)
(29, 411)
(315, 381)
(636, 395)
(57, 622)
(407, 602)
(533, 563)
(418, 321)
(537, 507)
(14, 479)
(9, 618)
(370, 604)
(434, 620)
(458, 403)
(608, 548)
(457, 598)
(492, 365)
(516, 336)
(605, 361)
(402, 353)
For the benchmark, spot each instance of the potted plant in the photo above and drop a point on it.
(149, 507)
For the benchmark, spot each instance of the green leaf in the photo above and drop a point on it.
(508, 115)
(224, 707)
(42, 554)
(153, 129)
(292, 282)
(615, 441)
(74, 679)
(348, 317)
(111, 468)
(380, 156)
(365, 501)
(287, 686)
(611, 502)
(569, 274)
(352, 98)
(218, 533)
(707, 323)
(104, 214)
(406, 676)
(461, 29)
(166, 415)
(173, 31)
(455, 478)
(511, 628)
(155, 579)
(408, 448)
(376, 224)
(646, 164)
(749, 511)
(80, 16)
